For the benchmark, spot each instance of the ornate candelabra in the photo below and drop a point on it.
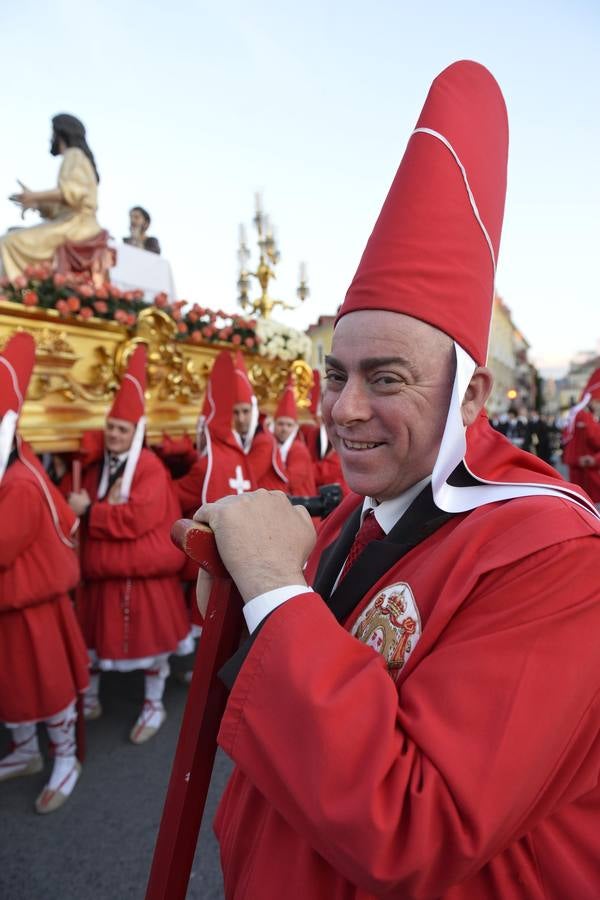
(268, 259)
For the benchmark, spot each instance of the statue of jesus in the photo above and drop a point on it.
(69, 209)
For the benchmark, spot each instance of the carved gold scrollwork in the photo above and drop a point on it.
(171, 375)
(103, 381)
(303, 376)
(269, 383)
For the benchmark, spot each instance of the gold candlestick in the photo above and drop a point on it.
(269, 257)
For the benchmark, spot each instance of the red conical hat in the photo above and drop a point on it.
(432, 252)
(287, 402)
(17, 361)
(593, 386)
(129, 400)
(220, 396)
(243, 389)
(432, 255)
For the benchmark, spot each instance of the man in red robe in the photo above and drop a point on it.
(256, 442)
(132, 611)
(582, 440)
(221, 467)
(43, 661)
(291, 469)
(417, 712)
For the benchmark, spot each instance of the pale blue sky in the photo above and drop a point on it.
(193, 106)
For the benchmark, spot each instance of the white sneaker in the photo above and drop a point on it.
(149, 721)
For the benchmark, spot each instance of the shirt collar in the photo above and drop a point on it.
(120, 456)
(389, 512)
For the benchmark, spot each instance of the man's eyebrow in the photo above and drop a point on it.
(374, 362)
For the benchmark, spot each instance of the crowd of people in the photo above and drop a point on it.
(540, 434)
(133, 589)
(415, 711)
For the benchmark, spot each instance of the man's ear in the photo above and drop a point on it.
(478, 390)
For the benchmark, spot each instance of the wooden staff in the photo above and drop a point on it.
(80, 736)
(197, 744)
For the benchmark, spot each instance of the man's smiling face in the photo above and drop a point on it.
(388, 384)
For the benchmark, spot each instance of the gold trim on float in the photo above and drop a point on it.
(79, 363)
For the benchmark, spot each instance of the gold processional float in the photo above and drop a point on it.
(85, 331)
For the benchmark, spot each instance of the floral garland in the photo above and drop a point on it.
(77, 297)
(277, 341)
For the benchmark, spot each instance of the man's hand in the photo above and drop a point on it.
(262, 539)
(79, 501)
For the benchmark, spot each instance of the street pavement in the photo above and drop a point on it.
(99, 845)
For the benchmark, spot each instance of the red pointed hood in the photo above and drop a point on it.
(433, 251)
(287, 402)
(17, 361)
(244, 392)
(227, 471)
(593, 386)
(220, 397)
(129, 403)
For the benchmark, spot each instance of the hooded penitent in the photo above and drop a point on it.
(227, 469)
(16, 365)
(576, 433)
(590, 392)
(432, 255)
(129, 404)
(244, 393)
(287, 409)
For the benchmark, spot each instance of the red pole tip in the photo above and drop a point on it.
(198, 542)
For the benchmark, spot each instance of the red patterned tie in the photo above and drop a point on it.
(370, 530)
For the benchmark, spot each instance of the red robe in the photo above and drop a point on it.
(132, 606)
(294, 477)
(43, 660)
(453, 749)
(584, 441)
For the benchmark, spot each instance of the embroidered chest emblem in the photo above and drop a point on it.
(391, 625)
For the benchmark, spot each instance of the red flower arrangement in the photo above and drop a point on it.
(76, 297)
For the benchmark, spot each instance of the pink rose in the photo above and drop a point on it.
(236, 339)
(20, 282)
(86, 312)
(73, 303)
(30, 298)
(100, 306)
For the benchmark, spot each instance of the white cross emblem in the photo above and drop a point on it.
(239, 483)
